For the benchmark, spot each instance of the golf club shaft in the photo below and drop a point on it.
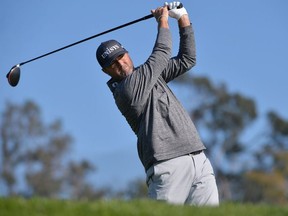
(89, 38)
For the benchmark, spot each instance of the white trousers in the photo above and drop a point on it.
(188, 179)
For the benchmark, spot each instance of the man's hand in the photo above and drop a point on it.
(175, 12)
(161, 15)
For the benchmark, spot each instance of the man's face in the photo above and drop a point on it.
(120, 68)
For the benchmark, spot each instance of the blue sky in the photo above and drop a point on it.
(241, 43)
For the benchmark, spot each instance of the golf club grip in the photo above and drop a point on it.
(151, 15)
(89, 38)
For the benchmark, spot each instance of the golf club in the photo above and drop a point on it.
(13, 75)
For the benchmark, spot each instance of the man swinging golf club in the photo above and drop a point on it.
(169, 146)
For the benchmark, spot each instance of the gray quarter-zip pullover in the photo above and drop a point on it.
(164, 129)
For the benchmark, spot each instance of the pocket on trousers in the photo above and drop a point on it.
(207, 167)
(161, 174)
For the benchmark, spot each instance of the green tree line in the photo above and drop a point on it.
(253, 170)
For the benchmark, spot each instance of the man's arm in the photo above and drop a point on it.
(161, 16)
(186, 57)
(139, 84)
(184, 21)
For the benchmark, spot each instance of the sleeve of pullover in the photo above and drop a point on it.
(140, 83)
(186, 57)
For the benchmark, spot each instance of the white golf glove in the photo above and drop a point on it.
(174, 12)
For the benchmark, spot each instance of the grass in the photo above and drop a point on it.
(43, 207)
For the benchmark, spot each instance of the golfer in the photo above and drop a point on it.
(168, 144)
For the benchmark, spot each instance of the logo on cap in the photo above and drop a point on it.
(108, 51)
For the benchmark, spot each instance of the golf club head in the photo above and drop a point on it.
(13, 75)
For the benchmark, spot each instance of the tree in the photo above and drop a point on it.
(19, 125)
(40, 151)
(136, 189)
(45, 175)
(221, 115)
(269, 181)
(76, 181)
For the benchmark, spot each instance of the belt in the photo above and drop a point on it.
(196, 152)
